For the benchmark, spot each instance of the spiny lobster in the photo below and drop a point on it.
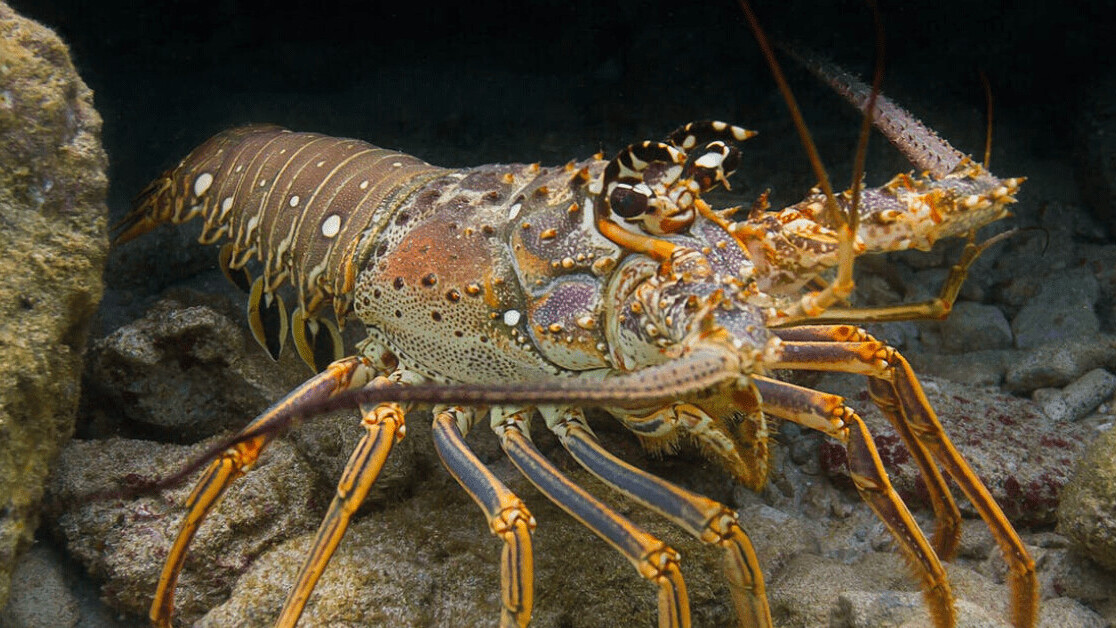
(513, 290)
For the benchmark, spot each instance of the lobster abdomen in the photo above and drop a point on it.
(300, 203)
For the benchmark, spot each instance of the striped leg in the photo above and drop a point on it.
(507, 515)
(947, 532)
(383, 426)
(894, 383)
(341, 375)
(708, 520)
(654, 560)
(829, 414)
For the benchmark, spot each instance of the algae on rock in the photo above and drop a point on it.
(53, 242)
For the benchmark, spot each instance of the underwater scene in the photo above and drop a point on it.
(377, 314)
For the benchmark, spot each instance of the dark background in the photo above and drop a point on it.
(490, 81)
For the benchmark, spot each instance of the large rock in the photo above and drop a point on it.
(52, 235)
(1087, 514)
(184, 370)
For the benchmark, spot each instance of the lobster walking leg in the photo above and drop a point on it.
(947, 532)
(654, 560)
(893, 383)
(508, 517)
(931, 309)
(708, 520)
(342, 375)
(829, 414)
(384, 426)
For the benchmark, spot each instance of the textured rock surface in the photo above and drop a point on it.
(125, 542)
(40, 597)
(183, 370)
(973, 418)
(1087, 514)
(52, 235)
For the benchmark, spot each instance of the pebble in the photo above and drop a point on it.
(1079, 399)
(1057, 364)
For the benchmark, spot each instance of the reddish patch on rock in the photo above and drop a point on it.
(1008, 441)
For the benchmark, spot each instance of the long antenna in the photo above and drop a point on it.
(796, 114)
(988, 123)
(866, 123)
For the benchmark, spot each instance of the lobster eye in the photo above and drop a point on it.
(626, 202)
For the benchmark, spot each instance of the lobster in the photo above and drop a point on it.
(512, 291)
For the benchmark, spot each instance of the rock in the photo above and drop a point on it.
(124, 541)
(975, 327)
(52, 234)
(994, 432)
(976, 368)
(1071, 576)
(40, 597)
(1059, 363)
(863, 609)
(1061, 311)
(1087, 514)
(185, 369)
(1079, 398)
(1063, 611)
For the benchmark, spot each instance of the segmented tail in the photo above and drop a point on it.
(299, 203)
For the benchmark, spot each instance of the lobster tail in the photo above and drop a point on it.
(179, 194)
(298, 203)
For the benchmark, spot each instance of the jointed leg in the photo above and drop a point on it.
(894, 383)
(507, 515)
(744, 456)
(829, 414)
(654, 560)
(947, 532)
(383, 426)
(709, 521)
(933, 309)
(341, 375)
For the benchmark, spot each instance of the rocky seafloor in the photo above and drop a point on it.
(1021, 374)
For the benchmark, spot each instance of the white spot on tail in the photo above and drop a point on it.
(331, 226)
(513, 211)
(294, 200)
(226, 205)
(202, 183)
(511, 318)
(320, 163)
(364, 184)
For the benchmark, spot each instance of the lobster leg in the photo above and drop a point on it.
(708, 520)
(508, 517)
(384, 426)
(893, 384)
(936, 308)
(342, 375)
(829, 414)
(658, 430)
(652, 558)
(947, 534)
